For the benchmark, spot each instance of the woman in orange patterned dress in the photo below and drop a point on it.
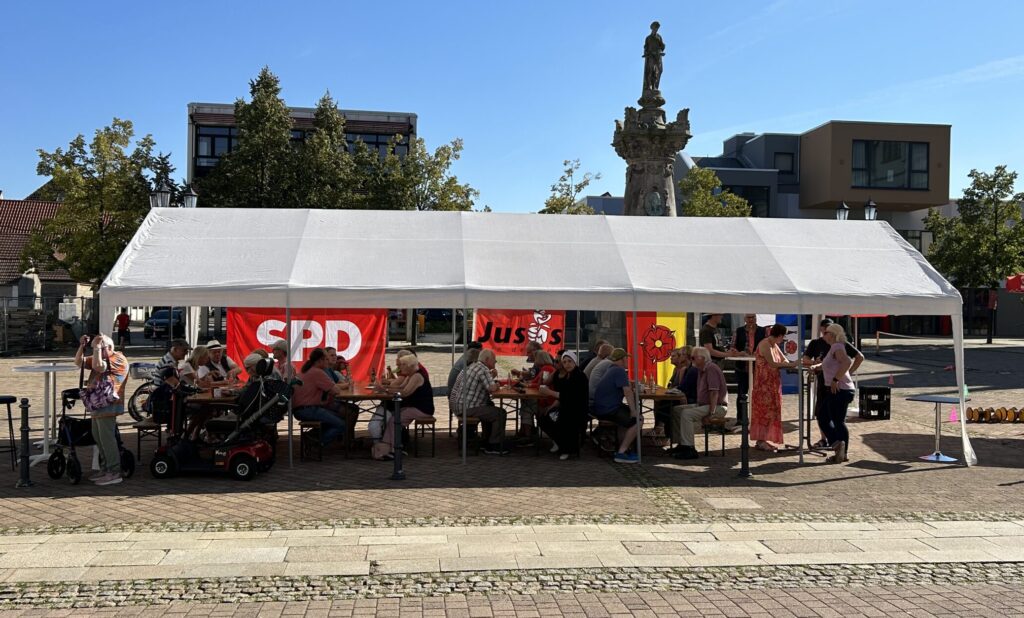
(766, 403)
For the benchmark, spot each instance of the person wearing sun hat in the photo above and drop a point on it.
(220, 364)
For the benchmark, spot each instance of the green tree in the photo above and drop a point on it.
(984, 243)
(418, 180)
(106, 197)
(702, 195)
(323, 167)
(564, 198)
(259, 172)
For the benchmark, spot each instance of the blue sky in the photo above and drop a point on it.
(524, 86)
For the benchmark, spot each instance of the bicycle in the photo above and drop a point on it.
(137, 402)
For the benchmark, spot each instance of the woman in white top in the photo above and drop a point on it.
(193, 370)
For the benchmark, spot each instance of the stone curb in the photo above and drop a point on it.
(528, 520)
(280, 588)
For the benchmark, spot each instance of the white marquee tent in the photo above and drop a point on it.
(377, 259)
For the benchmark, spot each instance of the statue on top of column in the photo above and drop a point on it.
(654, 49)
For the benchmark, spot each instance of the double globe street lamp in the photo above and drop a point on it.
(870, 211)
(161, 197)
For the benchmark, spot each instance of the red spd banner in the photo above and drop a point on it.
(508, 331)
(357, 334)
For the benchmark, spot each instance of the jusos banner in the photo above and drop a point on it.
(357, 334)
(508, 331)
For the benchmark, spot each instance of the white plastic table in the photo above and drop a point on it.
(49, 371)
(938, 400)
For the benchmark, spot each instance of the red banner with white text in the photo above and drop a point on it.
(357, 334)
(507, 331)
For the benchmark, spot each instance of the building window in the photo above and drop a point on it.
(918, 239)
(759, 198)
(880, 164)
(784, 162)
(212, 143)
(377, 142)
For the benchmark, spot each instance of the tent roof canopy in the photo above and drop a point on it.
(358, 258)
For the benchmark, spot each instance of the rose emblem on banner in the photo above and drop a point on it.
(658, 343)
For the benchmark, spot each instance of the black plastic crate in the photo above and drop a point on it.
(875, 402)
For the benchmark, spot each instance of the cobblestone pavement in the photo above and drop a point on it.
(528, 535)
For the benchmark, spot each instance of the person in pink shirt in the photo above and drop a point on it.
(311, 399)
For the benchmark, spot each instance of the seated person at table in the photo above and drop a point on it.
(311, 400)
(462, 362)
(193, 371)
(712, 401)
(569, 387)
(475, 399)
(598, 366)
(283, 368)
(680, 360)
(252, 360)
(608, 404)
(165, 380)
(529, 372)
(544, 370)
(333, 362)
(221, 366)
(417, 403)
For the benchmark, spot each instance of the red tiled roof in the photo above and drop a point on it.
(18, 219)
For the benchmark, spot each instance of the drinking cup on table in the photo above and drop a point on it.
(218, 392)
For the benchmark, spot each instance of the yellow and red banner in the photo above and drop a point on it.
(507, 331)
(658, 334)
(357, 334)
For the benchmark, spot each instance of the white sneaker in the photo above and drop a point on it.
(563, 456)
(110, 479)
(554, 448)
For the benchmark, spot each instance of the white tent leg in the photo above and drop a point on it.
(454, 312)
(958, 354)
(288, 338)
(636, 391)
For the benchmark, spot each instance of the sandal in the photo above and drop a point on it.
(761, 446)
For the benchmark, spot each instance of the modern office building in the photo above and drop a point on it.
(212, 131)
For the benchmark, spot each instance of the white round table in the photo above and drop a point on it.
(49, 371)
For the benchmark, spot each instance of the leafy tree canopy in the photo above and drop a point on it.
(106, 189)
(984, 243)
(565, 194)
(702, 195)
(268, 169)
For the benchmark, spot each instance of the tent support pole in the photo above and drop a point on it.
(465, 314)
(579, 329)
(801, 383)
(961, 386)
(453, 336)
(636, 391)
(288, 338)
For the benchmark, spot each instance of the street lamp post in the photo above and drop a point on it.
(870, 210)
(188, 199)
(842, 212)
(160, 197)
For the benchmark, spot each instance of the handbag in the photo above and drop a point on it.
(100, 393)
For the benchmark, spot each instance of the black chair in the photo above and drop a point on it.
(12, 445)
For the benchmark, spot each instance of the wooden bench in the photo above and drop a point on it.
(310, 440)
(716, 424)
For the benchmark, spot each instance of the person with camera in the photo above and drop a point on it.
(104, 398)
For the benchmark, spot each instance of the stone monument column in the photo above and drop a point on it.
(648, 143)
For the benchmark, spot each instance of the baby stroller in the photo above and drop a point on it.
(74, 432)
